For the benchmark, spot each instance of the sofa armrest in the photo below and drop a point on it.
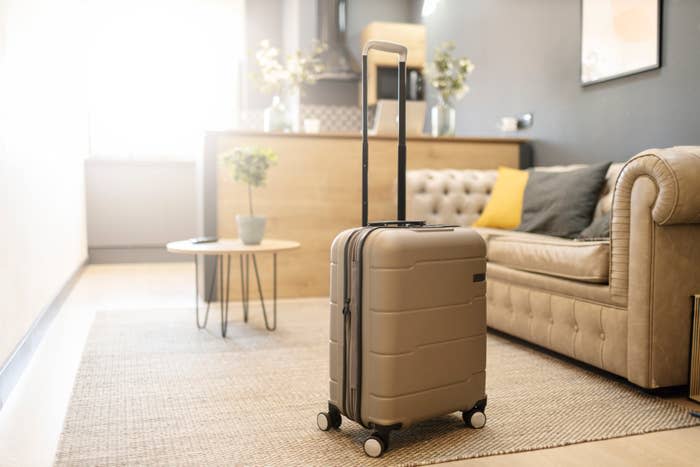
(675, 172)
(662, 181)
(655, 224)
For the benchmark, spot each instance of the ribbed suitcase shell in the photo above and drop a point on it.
(423, 324)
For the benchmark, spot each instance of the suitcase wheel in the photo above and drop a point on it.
(474, 418)
(375, 445)
(328, 420)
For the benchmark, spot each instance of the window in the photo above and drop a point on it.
(160, 73)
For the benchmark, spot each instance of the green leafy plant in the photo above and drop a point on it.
(249, 165)
(275, 77)
(448, 75)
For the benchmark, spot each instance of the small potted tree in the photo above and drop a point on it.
(249, 165)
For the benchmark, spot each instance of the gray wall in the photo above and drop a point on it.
(527, 59)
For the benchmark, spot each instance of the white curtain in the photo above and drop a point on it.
(161, 73)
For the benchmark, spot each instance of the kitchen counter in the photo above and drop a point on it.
(357, 136)
(314, 191)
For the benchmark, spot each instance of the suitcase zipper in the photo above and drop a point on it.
(358, 254)
(347, 266)
(353, 253)
(354, 391)
(355, 333)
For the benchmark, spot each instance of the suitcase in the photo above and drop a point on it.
(408, 313)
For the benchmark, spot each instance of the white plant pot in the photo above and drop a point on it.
(251, 229)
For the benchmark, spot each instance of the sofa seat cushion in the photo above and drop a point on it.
(568, 259)
(487, 233)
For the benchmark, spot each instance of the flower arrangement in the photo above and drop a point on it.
(448, 75)
(274, 77)
(249, 165)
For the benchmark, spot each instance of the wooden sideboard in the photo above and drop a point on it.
(314, 191)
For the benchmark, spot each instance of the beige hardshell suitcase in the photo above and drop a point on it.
(408, 316)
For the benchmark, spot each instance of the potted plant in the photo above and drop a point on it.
(284, 82)
(249, 165)
(448, 75)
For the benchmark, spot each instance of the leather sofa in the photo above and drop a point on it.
(622, 303)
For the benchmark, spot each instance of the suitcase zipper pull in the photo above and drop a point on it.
(346, 307)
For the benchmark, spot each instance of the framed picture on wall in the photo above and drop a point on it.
(619, 38)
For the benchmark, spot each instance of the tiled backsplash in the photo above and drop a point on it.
(333, 118)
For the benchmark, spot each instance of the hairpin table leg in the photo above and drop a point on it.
(224, 295)
(274, 292)
(244, 286)
(196, 293)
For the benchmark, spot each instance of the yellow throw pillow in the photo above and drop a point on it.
(505, 206)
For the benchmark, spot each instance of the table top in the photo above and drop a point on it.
(229, 246)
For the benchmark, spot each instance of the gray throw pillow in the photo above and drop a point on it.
(561, 203)
(599, 228)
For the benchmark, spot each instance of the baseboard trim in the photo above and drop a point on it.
(17, 362)
(133, 254)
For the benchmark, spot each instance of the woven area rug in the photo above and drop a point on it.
(154, 390)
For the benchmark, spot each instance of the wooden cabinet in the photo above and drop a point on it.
(314, 191)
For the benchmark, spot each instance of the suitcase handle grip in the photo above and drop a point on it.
(386, 46)
(402, 51)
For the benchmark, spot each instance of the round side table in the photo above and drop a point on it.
(226, 247)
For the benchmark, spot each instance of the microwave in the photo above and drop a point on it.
(386, 84)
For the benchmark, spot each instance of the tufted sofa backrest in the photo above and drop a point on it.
(459, 196)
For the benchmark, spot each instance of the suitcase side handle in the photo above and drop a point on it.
(402, 52)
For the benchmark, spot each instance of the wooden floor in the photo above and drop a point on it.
(32, 419)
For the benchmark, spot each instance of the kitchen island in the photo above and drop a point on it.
(314, 190)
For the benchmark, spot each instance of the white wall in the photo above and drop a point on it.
(140, 203)
(42, 147)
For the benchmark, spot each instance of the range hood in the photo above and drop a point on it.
(332, 22)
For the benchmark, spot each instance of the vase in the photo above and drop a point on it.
(275, 117)
(292, 103)
(251, 229)
(442, 119)
(283, 114)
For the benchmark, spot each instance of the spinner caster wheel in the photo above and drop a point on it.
(374, 446)
(323, 420)
(474, 418)
(328, 420)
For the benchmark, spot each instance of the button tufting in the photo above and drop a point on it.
(602, 336)
(551, 321)
(576, 327)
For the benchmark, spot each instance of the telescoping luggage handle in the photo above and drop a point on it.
(401, 188)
